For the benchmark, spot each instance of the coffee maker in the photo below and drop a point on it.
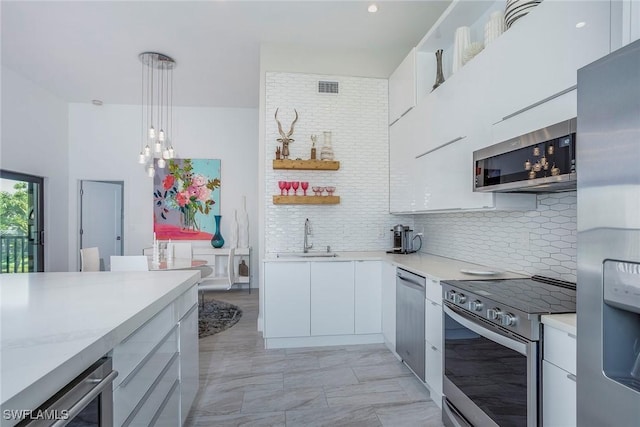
(402, 240)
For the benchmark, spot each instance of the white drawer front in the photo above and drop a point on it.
(434, 290)
(560, 349)
(433, 369)
(433, 327)
(130, 352)
(185, 301)
(169, 416)
(134, 387)
(156, 402)
(558, 397)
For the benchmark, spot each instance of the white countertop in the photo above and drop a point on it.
(563, 322)
(55, 325)
(433, 266)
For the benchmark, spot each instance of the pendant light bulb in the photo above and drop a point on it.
(158, 147)
(152, 133)
(161, 163)
(141, 158)
(171, 152)
(147, 150)
(165, 154)
(161, 135)
(151, 171)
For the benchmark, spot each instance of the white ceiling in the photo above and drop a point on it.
(84, 50)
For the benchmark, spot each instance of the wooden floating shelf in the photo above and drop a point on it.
(326, 165)
(306, 200)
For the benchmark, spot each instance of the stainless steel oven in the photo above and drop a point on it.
(490, 375)
(86, 401)
(492, 348)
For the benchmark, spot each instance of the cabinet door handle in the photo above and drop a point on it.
(434, 348)
(434, 303)
(440, 146)
(572, 336)
(542, 101)
(405, 113)
(571, 377)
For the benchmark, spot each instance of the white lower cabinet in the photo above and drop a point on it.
(332, 298)
(433, 340)
(558, 378)
(389, 305)
(158, 365)
(368, 297)
(309, 303)
(287, 299)
(559, 396)
(433, 373)
(189, 361)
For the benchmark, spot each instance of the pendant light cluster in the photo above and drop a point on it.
(157, 110)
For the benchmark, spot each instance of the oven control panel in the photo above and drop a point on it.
(483, 307)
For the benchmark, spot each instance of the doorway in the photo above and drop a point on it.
(101, 218)
(21, 223)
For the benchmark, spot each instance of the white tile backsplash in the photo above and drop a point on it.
(357, 118)
(533, 242)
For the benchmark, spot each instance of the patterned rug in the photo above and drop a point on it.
(216, 316)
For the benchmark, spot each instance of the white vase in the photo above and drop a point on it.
(460, 45)
(233, 240)
(494, 27)
(326, 153)
(243, 225)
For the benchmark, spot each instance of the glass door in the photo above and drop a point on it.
(21, 223)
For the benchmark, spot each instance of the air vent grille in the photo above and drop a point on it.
(327, 87)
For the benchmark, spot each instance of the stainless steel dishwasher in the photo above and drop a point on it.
(410, 341)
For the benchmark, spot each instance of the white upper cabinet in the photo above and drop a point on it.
(522, 81)
(540, 54)
(402, 88)
(401, 156)
(627, 13)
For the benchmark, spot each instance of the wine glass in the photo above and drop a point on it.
(295, 185)
(316, 190)
(304, 185)
(281, 185)
(287, 186)
(330, 190)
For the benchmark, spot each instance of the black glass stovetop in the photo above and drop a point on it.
(537, 295)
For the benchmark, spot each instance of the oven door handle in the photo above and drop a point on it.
(514, 345)
(101, 384)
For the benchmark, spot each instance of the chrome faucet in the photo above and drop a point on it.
(307, 233)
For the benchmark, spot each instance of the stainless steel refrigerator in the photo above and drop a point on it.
(608, 300)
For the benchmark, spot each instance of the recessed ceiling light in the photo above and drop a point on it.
(96, 102)
(581, 24)
(372, 8)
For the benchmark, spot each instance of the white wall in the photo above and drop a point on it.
(104, 143)
(532, 242)
(34, 142)
(357, 118)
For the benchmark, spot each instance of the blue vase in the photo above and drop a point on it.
(217, 241)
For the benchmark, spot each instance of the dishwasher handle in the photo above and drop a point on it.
(412, 283)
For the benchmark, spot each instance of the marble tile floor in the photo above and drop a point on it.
(242, 384)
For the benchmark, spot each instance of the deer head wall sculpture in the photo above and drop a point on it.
(286, 137)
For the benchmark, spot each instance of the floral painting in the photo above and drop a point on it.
(186, 196)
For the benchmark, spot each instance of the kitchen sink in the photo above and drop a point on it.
(307, 255)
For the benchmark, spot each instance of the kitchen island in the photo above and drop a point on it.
(53, 326)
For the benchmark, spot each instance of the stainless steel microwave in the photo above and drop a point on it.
(542, 161)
